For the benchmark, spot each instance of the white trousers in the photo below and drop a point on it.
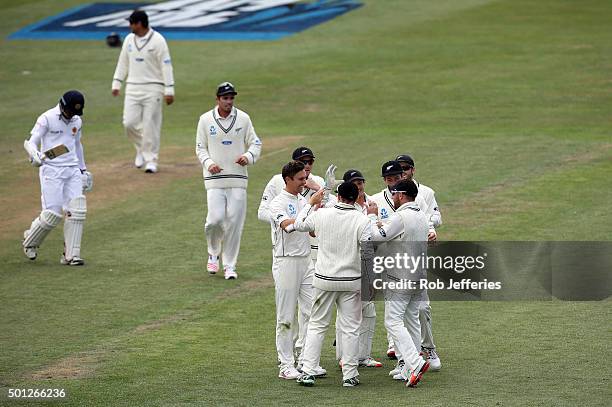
(142, 119)
(366, 332)
(293, 287)
(402, 323)
(224, 222)
(58, 186)
(303, 315)
(348, 304)
(425, 319)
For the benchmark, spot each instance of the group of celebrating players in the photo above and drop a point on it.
(312, 236)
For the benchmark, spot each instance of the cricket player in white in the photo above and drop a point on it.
(427, 196)
(226, 143)
(276, 184)
(145, 61)
(408, 224)
(368, 322)
(292, 283)
(337, 279)
(63, 178)
(392, 172)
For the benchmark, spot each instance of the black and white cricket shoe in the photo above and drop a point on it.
(352, 382)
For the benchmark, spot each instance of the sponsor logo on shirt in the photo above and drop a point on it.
(226, 142)
(193, 19)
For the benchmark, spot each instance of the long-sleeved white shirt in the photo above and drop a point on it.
(52, 129)
(340, 230)
(221, 141)
(283, 207)
(146, 63)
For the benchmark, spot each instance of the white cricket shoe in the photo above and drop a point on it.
(288, 373)
(370, 362)
(30, 252)
(318, 371)
(75, 261)
(139, 161)
(430, 355)
(230, 274)
(151, 168)
(398, 368)
(417, 374)
(213, 264)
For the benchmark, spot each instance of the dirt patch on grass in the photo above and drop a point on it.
(79, 366)
(113, 182)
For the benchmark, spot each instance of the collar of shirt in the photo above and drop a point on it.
(60, 116)
(229, 116)
(407, 205)
(289, 194)
(342, 205)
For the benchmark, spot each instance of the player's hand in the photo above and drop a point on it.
(432, 235)
(214, 169)
(87, 180)
(311, 184)
(372, 208)
(242, 160)
(316, 198)
(169, 99)
(36, 159)
(115, 92)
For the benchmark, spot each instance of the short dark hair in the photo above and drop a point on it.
(348, 191)
(139, 16)
(292, 168)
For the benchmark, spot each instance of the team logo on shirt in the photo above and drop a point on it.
(74, 129)
(292, 210)
(384, 214)
(213, 131)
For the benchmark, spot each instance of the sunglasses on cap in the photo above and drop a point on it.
(407, 167)
(307, 162)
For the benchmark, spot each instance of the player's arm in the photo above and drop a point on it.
(254, 144)
(269, 193)
(121, 70)
(32, 144)
(79, 152)
(202, 148)
(305, 219)
(382, 232)
(280, 217)
(167, 72)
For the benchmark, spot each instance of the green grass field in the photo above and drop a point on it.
(505, 106)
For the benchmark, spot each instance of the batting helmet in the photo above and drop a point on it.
(73, 101)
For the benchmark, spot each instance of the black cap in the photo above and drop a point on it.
(405, 158)
(391, 168)
(349, 191)
(74, 101)
(226, 88)
(407, 187)
(302, 152)
(352, 175)
(139, 16)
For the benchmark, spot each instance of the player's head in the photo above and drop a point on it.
(355, 177)
(347, 193)
(407, 164)
(404, 191)
(305, 156)
(294, 176)
(391, 172)
(72, 103)
(226, 93)
(139, 22)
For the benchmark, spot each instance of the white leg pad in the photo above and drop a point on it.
(73, 227)
(40, 228)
